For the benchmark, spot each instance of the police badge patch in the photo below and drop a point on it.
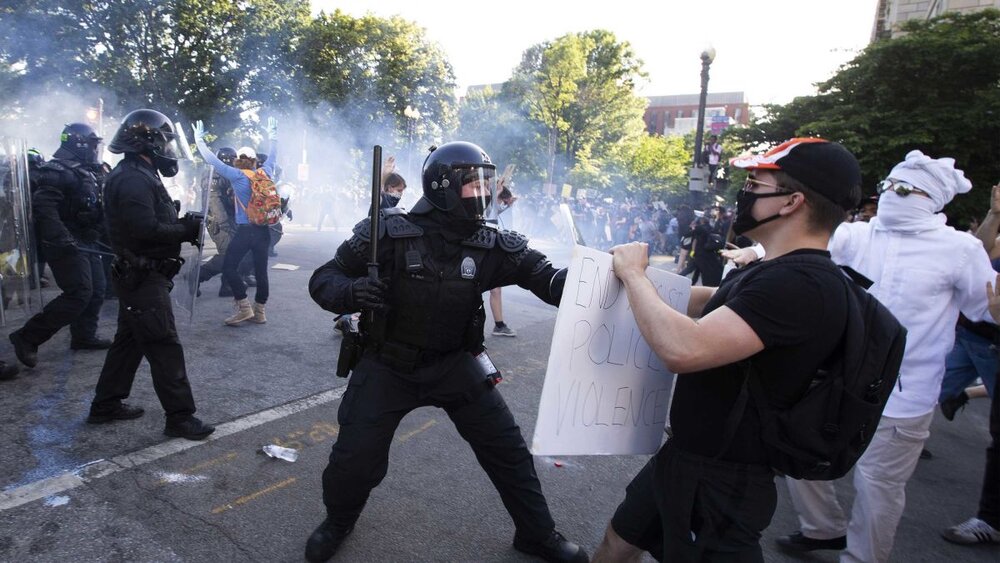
(468, 268)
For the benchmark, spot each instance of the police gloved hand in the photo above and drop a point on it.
(199, 130)
(192, 223)
(272, 128)
(367, 293)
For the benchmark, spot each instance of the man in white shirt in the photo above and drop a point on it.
(924, 272)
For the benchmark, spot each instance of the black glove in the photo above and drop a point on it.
(192, 223)
(367, 293)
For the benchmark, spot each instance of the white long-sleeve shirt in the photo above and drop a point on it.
(924, 279)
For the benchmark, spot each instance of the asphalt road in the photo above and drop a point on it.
(125, 492)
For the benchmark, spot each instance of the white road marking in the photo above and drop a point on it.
(103, 467)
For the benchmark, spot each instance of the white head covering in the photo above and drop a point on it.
(247, 152)
(938, 177)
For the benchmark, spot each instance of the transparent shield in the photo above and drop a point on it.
(194, 199)
(18, 260)
(568, 226)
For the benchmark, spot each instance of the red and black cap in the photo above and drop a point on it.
(826, 167)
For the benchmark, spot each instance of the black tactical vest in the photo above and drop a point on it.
(81, 204)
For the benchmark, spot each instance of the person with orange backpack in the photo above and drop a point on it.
(257, 208)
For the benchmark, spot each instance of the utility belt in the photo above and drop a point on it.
(130, 268)
(405, 358)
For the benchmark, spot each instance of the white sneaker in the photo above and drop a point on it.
(503, 331)
(972, 531)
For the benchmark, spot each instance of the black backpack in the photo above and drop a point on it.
(821, 436)
(714, 241)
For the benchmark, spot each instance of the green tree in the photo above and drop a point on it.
(364, 72)
(653, 165)
(493, 122)
(936, 89)
(581, 89)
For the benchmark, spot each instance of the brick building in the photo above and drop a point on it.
(676, 115)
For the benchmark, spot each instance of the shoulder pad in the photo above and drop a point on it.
(485, 237)
(364, 229)
(397, 225)
(54, 165)
(512, 241)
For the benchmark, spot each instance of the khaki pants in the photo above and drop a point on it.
(880, 478)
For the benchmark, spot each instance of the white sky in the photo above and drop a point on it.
(773, 50)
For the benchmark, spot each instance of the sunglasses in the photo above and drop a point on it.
(752, 184)
(900, 187)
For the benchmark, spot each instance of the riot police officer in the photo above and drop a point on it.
(440, 257)
(146, 235)
(221, 225)
(68, 220)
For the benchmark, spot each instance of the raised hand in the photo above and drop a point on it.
(199, 130)
(272, 128)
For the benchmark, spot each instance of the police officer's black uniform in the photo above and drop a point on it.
(146, 234)
(67, 211)
(420, 353)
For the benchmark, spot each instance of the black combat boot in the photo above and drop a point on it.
(26, 352)
(554, 548)
(325, 540)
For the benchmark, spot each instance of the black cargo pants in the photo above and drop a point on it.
(145, 330)
(378, 397)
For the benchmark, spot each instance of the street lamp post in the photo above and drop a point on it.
(697, 180)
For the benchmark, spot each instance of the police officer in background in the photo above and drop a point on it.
(439, 257)
(221, 225)
(146, 235)
(66, 205)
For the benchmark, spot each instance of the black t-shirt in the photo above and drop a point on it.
(799, 312)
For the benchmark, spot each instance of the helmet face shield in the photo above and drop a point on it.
(477, 188)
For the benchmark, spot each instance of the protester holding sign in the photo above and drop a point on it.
(711, 472)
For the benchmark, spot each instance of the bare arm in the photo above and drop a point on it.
(987, 232)
(684, 344)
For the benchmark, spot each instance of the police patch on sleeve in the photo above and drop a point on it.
(468, 268)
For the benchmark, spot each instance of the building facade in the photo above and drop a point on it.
(892, 13)
(677, 115)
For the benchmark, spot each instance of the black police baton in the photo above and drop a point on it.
(375, 219)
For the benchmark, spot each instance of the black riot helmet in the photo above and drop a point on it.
(227, 155)
(148, 132)
(81, 141)
(458, 178)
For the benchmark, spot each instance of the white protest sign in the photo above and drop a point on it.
(605, 390)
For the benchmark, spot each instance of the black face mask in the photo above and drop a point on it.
(472, 206)
(744, 211)
(390, 199)
(167, 167)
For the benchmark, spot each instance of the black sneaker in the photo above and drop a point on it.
(92, 344)
(190, 428)
(8, 371)
(554, 548)
(123, 412)
(26, 352)
(951, 405)
(799, 542)
(325, 540)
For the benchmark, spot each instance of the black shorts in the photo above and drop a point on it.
(684, 507)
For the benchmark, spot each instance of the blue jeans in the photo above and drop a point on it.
(973, 356)
(255, 240)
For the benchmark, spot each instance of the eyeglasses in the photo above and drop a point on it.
(900, 187)
(751, 184)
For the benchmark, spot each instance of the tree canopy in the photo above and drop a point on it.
(935, 89)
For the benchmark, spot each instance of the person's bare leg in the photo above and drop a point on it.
(614, 549)
(976, 392)
(496, 304)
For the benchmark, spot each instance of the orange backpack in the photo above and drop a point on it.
(264, 207)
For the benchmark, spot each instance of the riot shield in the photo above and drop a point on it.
(18, 260)
(194, 200)
(568, 227)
